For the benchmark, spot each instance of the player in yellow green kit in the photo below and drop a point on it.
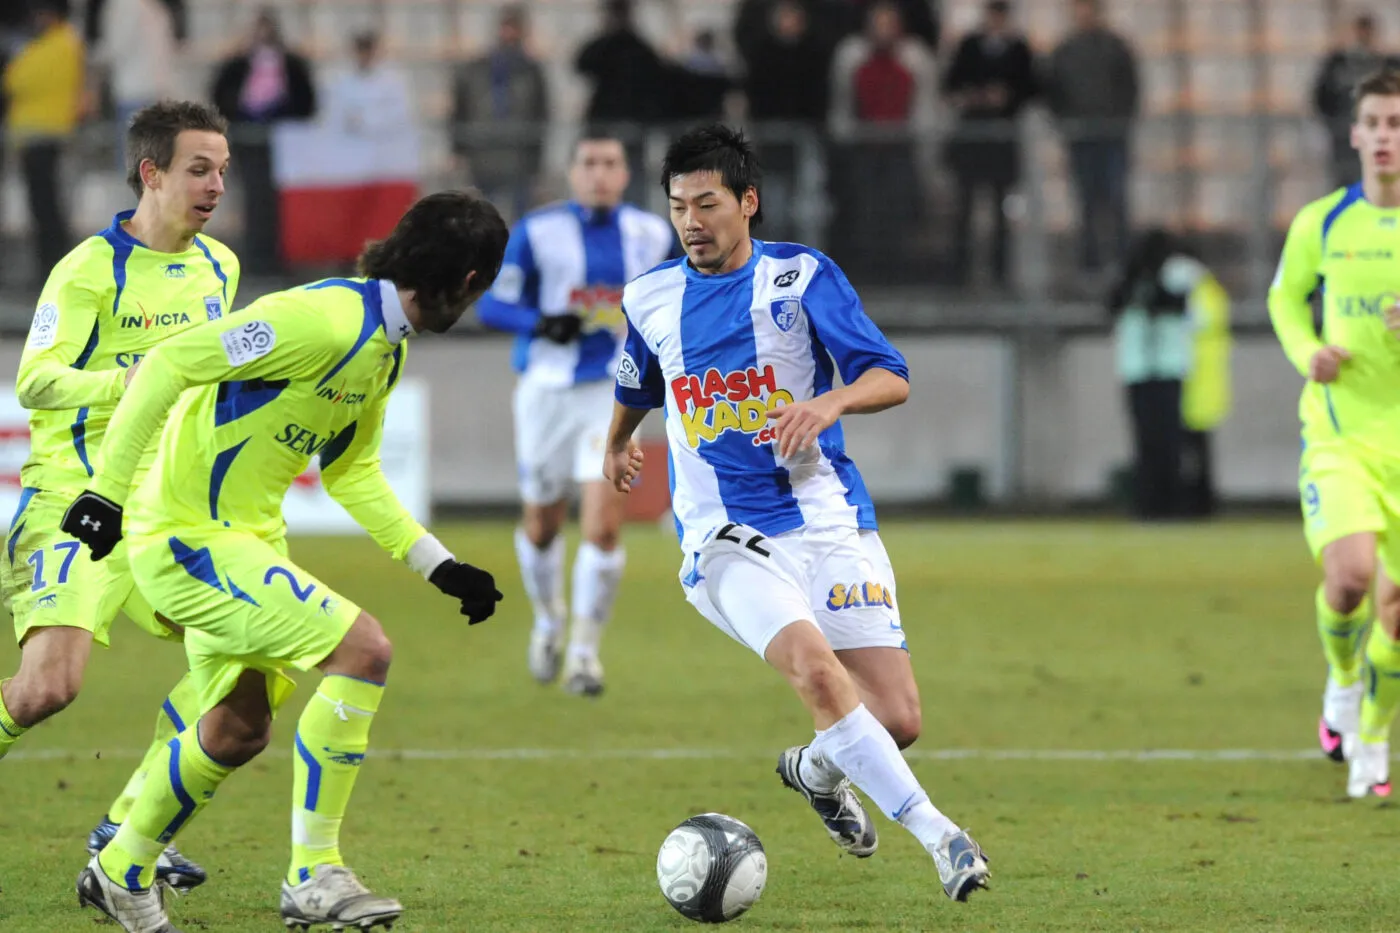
(149, 275)
(299, 373)
(1349, 476)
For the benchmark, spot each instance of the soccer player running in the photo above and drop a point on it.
(297, 373)
(1349, 242)
(739, 342)
(118, 294)
(559, 291)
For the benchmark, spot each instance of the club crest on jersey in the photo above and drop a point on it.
(785, 312)
(858, 596)
(213, 307)
(175, 270)
(715, 403)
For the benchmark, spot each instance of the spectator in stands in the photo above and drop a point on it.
(265, 83)
(920, 18)
(699, 82)
(137, 48)
(631, 87)
(991, 78)
(44, 84)
(14, 33)
(499, 105)
(1092, 88)
(1340, 72)
(372, 99)
(883, 94)
(788, 89)
(96, 18)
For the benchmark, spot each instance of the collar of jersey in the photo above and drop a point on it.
(396, 326)
(593, 215)
(116, 233)
(744, 271)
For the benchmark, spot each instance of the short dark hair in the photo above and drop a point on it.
(1383, 83)
(999, 7)
(720, 149)
(596, 134)
(153, 131)
(440, 239)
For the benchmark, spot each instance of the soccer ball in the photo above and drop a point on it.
(712, 868)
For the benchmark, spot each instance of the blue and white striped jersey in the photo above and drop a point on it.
(717, 352)
(569, 259)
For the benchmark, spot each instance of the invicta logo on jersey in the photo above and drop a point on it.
(340, 396)
(159, 319)
(716, 402)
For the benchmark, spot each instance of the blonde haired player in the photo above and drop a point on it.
(1348, 243)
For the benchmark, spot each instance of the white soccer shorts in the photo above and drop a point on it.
(751, 586)
(560, 434)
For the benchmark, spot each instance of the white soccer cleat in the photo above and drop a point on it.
(583, 675)
(961, 865)
(134, 911)
(842, 813)
(1368, 771)
(335, 896)
(546, 655)
(1341, 715)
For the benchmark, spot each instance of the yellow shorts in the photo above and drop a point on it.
(244, 606)
(48, 578)
(1347, 489)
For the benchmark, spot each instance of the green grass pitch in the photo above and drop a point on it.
(489, 803)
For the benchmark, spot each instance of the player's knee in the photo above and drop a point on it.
(904, 724)
(541, 525)
(605, 538)
(1347, 587)
(235, 740)
(50, 697)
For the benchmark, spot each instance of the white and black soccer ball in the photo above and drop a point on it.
(712, 868)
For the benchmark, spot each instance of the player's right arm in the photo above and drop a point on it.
(1290, 309)
(513, 303)
(640, 388)
(286, 339)
(60, 339)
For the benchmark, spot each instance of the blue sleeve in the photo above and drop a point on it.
(841, 326)
(640, 383)
(512, 304)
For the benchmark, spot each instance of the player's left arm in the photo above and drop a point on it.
(874, 373)
(353, 474)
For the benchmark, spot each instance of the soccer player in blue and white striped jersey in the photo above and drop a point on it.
(560, 292)
(740, 342)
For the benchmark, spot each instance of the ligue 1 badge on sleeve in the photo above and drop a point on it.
(213, 307)
(785, 312)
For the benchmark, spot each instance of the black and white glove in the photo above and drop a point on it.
(473, 586)
(96, 521)
(559, 328)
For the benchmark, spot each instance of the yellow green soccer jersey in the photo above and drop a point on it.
(1352, 249)
(296, 374)
(105, 305)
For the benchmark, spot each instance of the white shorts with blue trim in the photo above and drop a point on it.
(560, 435)
(751, 587)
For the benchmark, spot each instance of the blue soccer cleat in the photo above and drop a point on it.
(961, 865)
(846, 821)
(172, 869)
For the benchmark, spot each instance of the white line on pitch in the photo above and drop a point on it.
(664, 754)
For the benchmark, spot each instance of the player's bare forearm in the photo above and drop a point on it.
(875, 390)
(49, 385)
(625, 422)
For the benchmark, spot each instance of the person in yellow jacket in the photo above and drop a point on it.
(44, 86)
(1205, 393)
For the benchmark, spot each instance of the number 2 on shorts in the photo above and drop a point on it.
(752, 544)
(298, 591)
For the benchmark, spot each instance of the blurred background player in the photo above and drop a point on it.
(213, 551)
(560, 291)
(739, 344)
(1346, 243)
(109, 302)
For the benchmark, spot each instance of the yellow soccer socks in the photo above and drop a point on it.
(181, 782)
(1382, 696)
(10, 731)
(180, 707)
(332, 736)
(1341, 638)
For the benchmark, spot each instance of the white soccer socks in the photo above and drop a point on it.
(542, 571)
(597, 574)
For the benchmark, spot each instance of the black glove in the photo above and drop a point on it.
(559, 328)
(95, 521)
(473, 586)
